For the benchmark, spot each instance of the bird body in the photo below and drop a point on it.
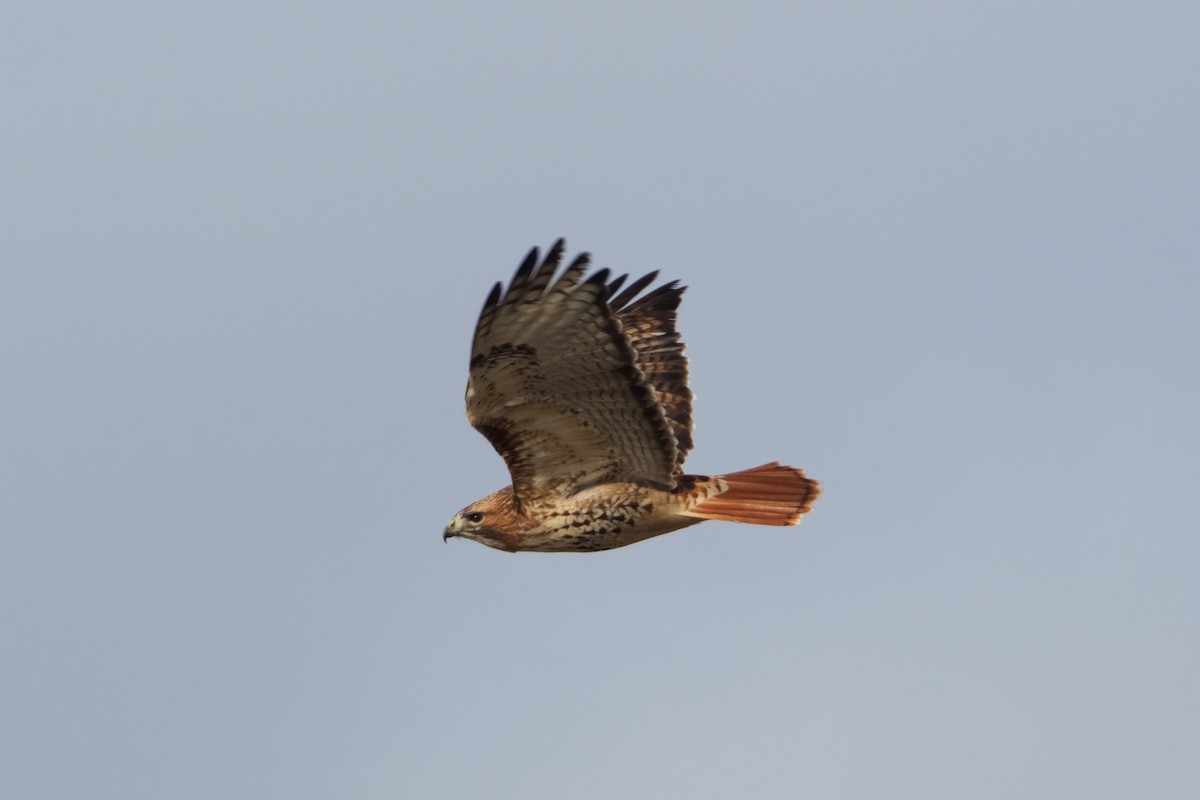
(583, 392)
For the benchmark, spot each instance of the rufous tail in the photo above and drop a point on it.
(772, 494)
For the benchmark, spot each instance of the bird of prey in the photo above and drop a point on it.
(582, 389)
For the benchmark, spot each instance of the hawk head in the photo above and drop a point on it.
(492, 521)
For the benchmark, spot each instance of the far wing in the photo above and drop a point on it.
(649, 324)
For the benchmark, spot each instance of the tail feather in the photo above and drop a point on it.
(772, 494)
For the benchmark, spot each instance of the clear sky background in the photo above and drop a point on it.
(943, 256)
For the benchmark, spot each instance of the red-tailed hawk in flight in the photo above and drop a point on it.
(583, 392)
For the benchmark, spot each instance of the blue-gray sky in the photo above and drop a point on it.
(943, 256)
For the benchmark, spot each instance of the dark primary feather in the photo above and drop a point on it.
(572, 392)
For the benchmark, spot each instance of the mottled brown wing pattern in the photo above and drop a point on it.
(649, 323)
(555, 386)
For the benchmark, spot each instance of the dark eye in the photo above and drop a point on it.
(474, 516)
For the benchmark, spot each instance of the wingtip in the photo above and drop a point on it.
(554, 254)
(633, 290)
(494, 296)
(615, 285)
(599, 277)
(524, 270)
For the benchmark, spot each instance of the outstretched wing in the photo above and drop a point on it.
(557, 385)
(649, 324)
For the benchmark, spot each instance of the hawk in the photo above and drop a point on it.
(582, 389)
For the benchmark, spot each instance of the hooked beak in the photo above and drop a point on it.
(449, 533)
